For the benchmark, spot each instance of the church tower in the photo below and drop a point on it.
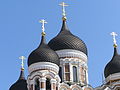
(112, 70)
(43, 66)
(72, 53)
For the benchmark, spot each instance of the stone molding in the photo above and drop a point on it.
(53, 81)
(72, 53)
(43, 65)
(42, 79)
(75, 86)
(115, 76)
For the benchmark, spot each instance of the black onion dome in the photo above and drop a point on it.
(66, 40)
(43, 54)
(20, 84)
(114, 65)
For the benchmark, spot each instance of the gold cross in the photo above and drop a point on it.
(114, 38)
(43, 26)
(22, 62)
(63, 8)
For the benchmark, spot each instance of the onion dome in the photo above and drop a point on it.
(114, 65)
(43, 53)
(21, 83)
(66, 40)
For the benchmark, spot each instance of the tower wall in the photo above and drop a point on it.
(43, 75)
(73, 62)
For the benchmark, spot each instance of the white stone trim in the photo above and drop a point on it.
(87, 76)
(42, 73)
(53, 81)
(42, 89)
(42, 79)
(43, 65)
(73, 61)
(72, 53)
(75, 87)
(114, 76)
(64, 85)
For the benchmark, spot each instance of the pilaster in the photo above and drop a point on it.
(53, 84)
(42, 83)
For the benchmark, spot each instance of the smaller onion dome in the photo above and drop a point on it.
(114, 65)
(66, 40)
(21, 83)
(43, 54)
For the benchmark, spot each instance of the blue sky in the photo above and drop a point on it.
(91, 20)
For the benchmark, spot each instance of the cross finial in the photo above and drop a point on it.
(22, 58)
(63, 9)
(114, 38)
(43, 26)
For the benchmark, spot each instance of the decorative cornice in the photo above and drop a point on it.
(43, 65)
(75, 61)
(71, 53)
(75, 86)
(112, 77)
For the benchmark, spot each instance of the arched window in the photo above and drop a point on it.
(67, 72)
(48, 84)
(37, 84)
(60, 73)
(74, 74)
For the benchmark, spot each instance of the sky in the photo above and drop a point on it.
(20, 32)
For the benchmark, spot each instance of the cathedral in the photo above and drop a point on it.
(61, 64)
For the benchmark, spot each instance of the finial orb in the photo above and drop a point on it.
(43, 33)
(64, 18)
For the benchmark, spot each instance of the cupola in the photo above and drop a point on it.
(65, 39)
(114, 65)
(43, 53)
(21, 83)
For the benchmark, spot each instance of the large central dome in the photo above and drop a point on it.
(66, 40)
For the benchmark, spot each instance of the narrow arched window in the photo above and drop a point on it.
(48, 84)
(60, 73)
(67, 72)
(74, 74)
(85, 76)
(37, 84)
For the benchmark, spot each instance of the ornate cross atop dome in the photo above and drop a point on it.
(63, 9)
(114, 38)
(22, 58)
(43, 26)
